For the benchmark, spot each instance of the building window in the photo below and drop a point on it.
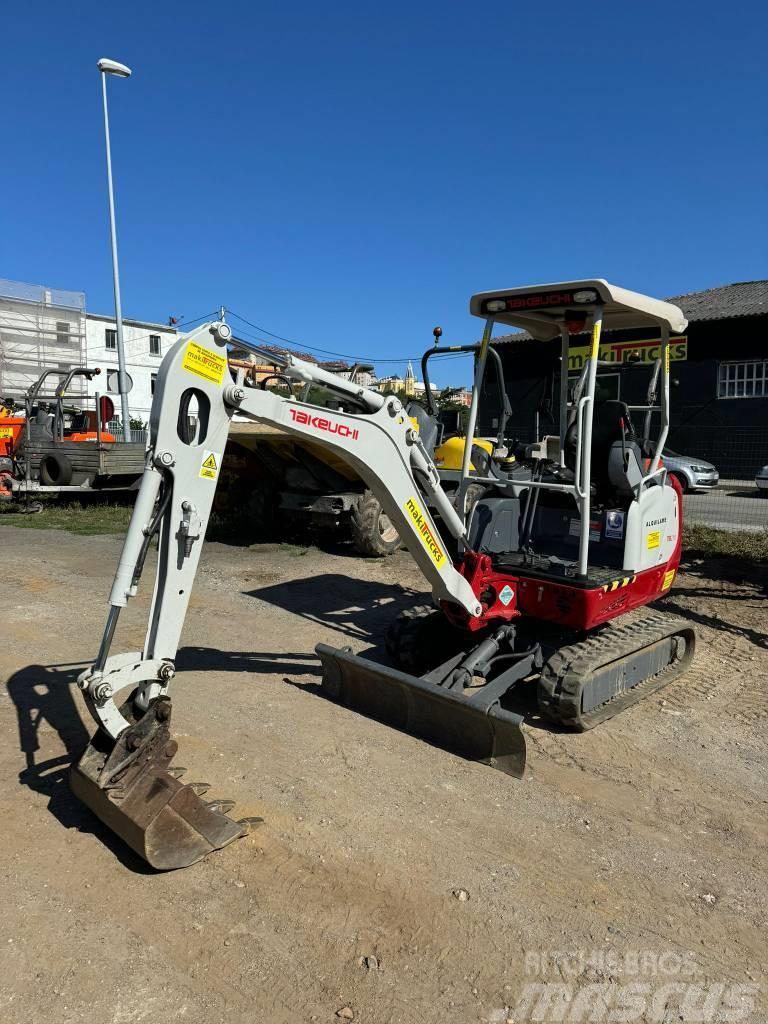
(152, 382)
(743, 380)
(607, 387)
(62, 332)
(154, 344)
(110, 338)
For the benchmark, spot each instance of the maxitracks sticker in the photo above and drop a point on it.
(204, 363)
(425, 531)
(654, 539)
(210, 467)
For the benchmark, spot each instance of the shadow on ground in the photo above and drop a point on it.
(731, 569)
(360, 609)
(43, 694)
(211, 659)
(755, 636)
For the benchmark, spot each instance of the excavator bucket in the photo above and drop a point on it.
(441, 716)
(130, 786)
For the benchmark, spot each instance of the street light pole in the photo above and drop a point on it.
(111, 67)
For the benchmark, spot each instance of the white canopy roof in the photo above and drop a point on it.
(541, 309)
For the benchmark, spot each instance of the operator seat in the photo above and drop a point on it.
(617, 459)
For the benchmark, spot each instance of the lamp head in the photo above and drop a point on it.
(111, 67)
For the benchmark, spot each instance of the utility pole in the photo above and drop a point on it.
(111, 67)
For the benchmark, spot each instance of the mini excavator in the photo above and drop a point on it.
(567, 536)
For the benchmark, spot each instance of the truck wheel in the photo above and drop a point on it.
(55, 470)
(420, 638)
(372, 532)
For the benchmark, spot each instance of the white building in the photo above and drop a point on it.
(40, 328)
(45, 328)
(145, 345)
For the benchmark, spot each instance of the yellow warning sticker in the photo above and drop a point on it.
(424, 531)
(210, 466)
(654, 539)
(666, 359)
(204, 363)
(595, 342)
(6, 431)
(667, 581)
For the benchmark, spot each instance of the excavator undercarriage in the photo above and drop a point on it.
(561, 540)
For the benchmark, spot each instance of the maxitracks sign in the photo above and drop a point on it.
(624, 351)
(425, 531)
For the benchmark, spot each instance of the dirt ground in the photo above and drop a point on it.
(635, 853)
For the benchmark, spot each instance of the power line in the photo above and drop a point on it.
(328, 352)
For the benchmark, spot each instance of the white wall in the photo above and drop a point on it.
(140, 364)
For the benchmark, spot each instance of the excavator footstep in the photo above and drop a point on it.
(436, 714)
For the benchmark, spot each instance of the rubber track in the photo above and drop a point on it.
(567, 671)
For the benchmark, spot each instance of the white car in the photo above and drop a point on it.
(761, 480)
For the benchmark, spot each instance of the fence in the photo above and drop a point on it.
(738, 454)
(115, 428)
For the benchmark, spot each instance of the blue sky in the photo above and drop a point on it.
(347, 174)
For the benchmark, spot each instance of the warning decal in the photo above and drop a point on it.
(654, 539)
(6, 431)
(668, 577)
(425, 531)
(204, 363)
(210, 466)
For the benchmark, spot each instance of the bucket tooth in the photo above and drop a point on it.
(199, 788)
(222, 806)
(177, 772)
(448, 719)
(250, 824)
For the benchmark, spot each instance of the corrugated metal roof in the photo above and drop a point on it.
(744, 298)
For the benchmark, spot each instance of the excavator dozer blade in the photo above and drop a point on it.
(433, 713)
(136, 795)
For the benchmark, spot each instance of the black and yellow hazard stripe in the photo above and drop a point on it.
(618, 584)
